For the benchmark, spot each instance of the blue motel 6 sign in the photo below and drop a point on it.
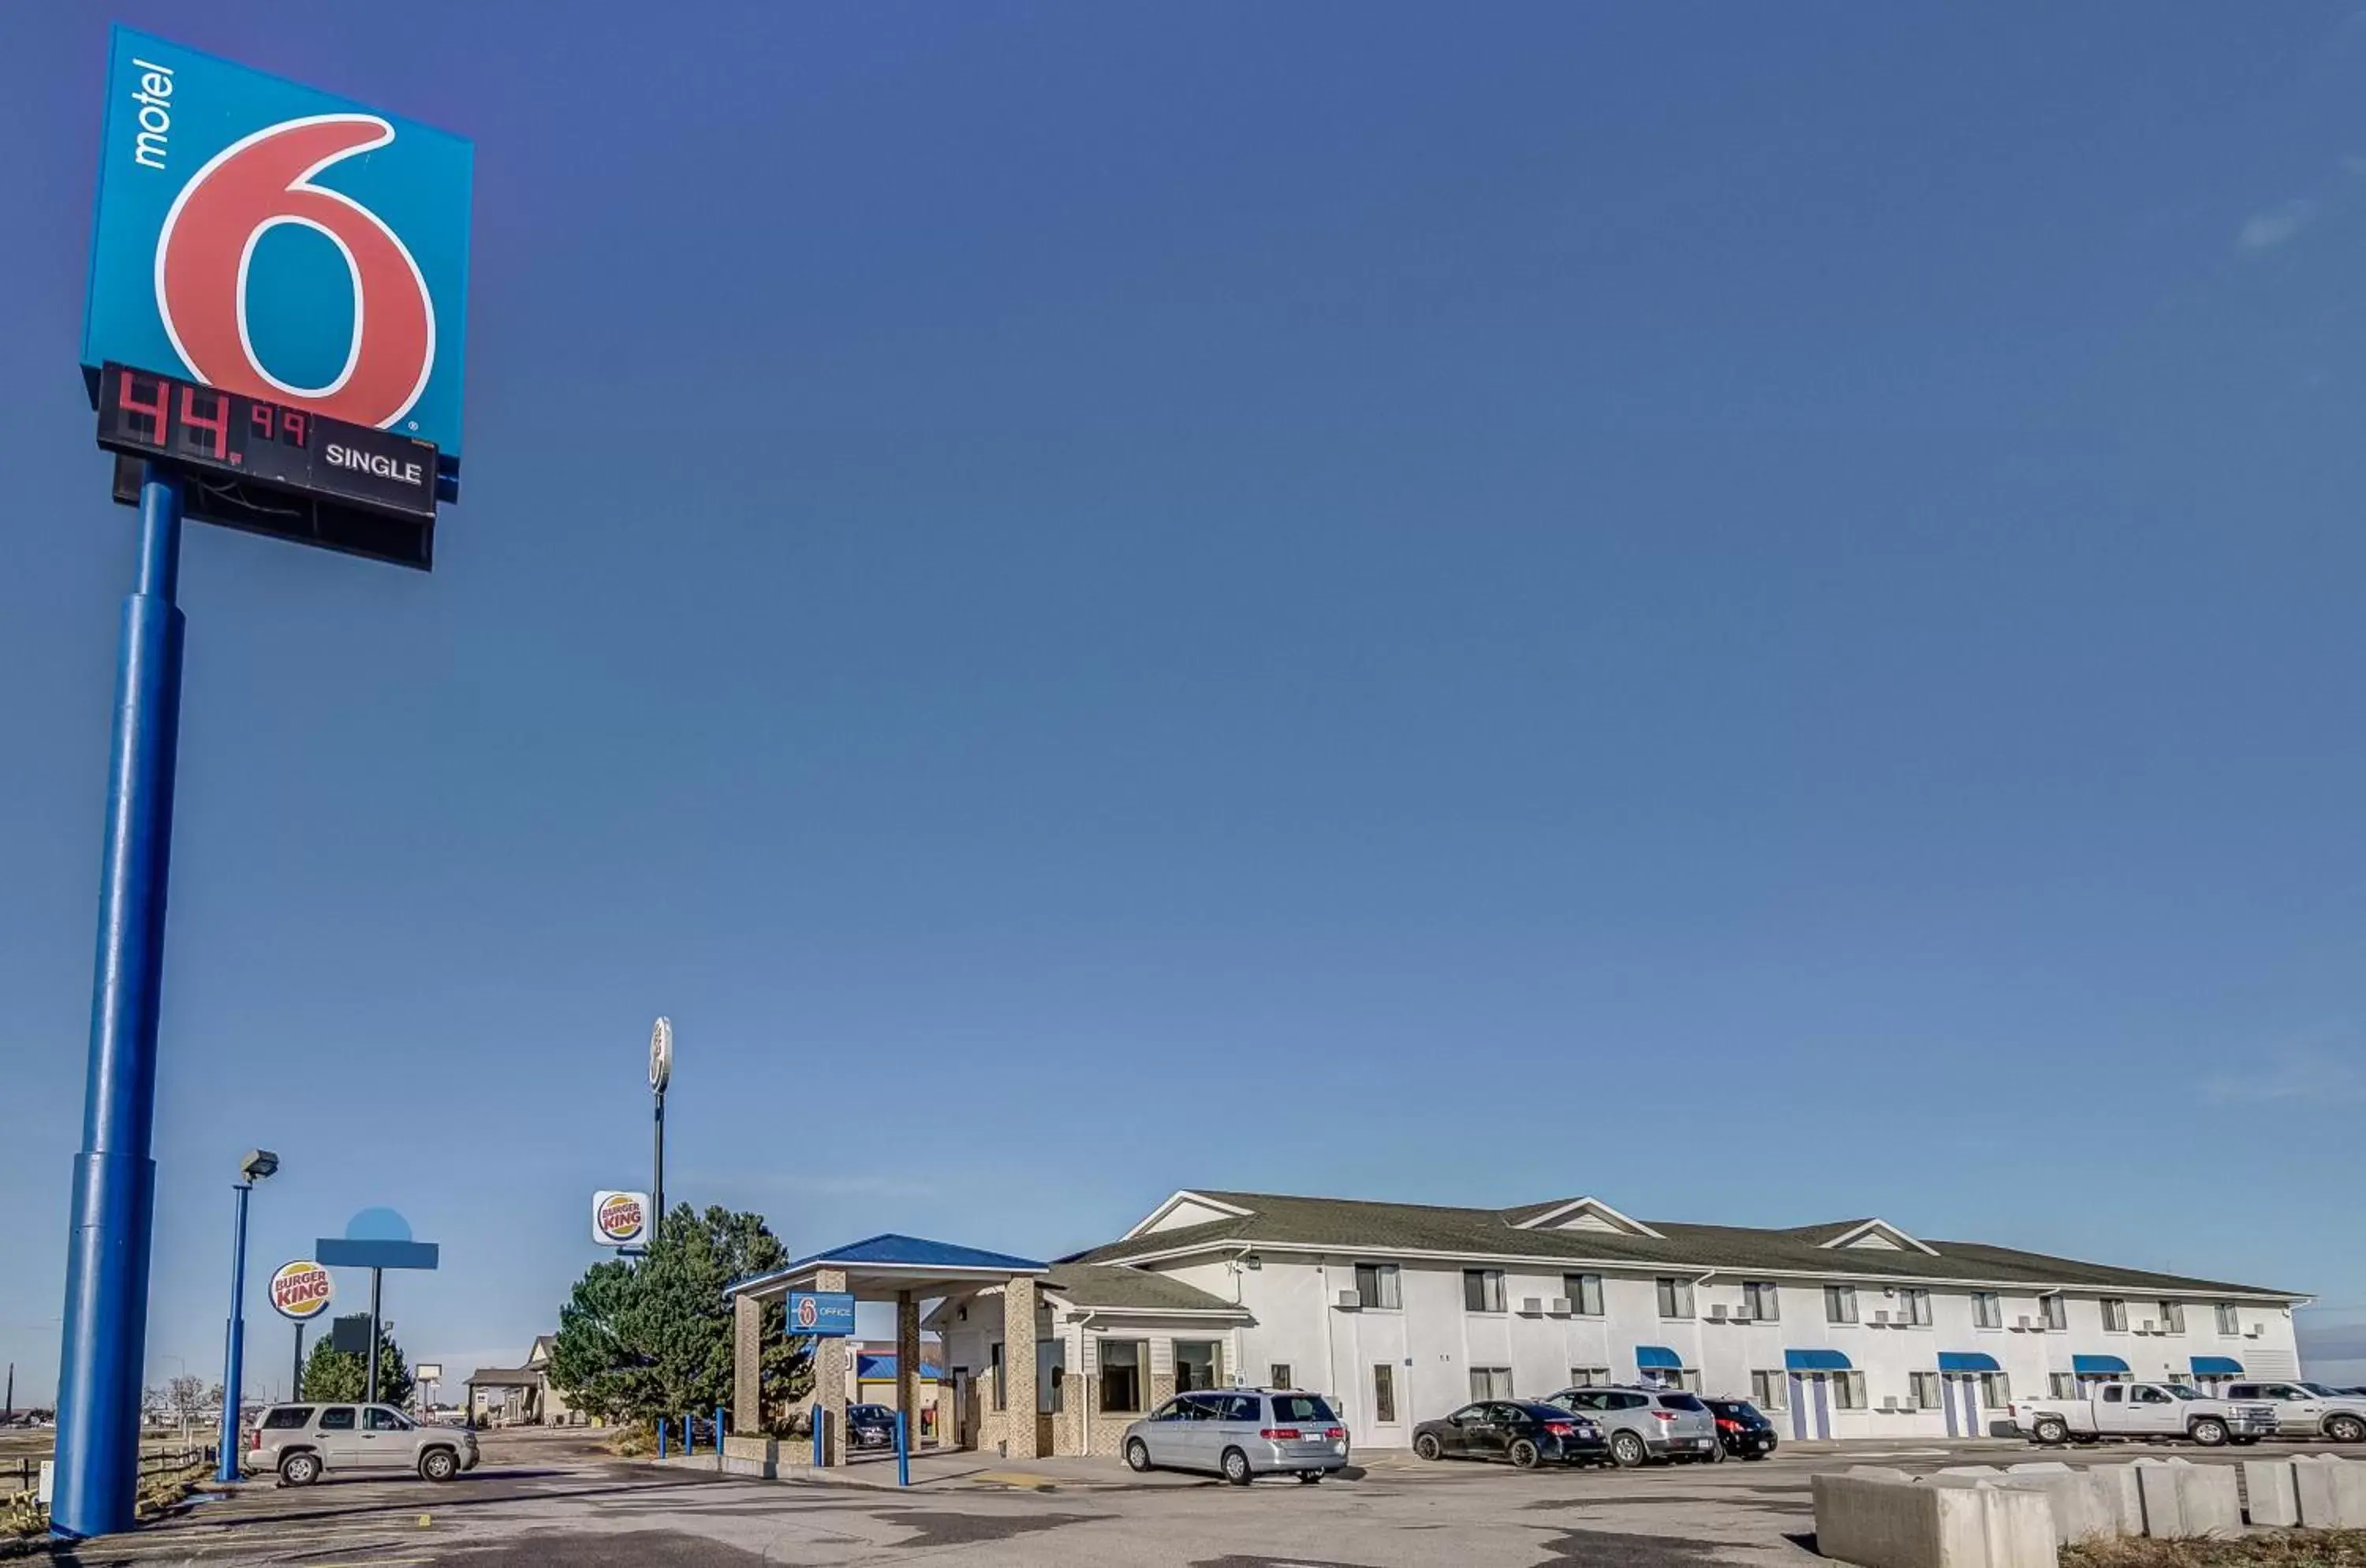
(272, 240)
(827, 1314)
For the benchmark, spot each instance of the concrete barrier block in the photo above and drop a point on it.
(1878, 1473)
(2331, 1491)
(2115, 1506)
(2211, 1498)
(1888, 1524)
(2164, 1511)
(2274, 1499)
(2067, 1492)
(2020, 1527)
(751, 1456)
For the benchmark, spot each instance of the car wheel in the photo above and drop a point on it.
(1236, 1467)
(2346, 1429)
(299, 1470)
(1716, 1455)
(439, 1464)
(1308, 1477)
(2209, 1431)
(1525, 1455)
(1627, 1450)
(2051, 1429)
(1426, 1447)
(1137, 1455)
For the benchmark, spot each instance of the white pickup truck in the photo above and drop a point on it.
(2307, 1409)
(2156, 1410)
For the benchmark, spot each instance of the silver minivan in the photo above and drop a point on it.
(1240, 1434)
(1648, 1423)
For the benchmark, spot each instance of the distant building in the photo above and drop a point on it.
(521, 1396)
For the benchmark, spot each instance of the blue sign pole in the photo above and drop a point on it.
(903, 1452)
(234, 1371)
(100, 1363)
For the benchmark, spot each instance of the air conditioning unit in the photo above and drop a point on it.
(2023, 1324)
(1532, 1306)
(2252, 1332)
(1561, 1307)
(1881, 1320)
(2148, 1326)
(1717, 1315)
(1350, 1300)
(1892, 1403)
(1743, 1314)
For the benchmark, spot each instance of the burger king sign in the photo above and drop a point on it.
(620, 1219)
(300, 1290)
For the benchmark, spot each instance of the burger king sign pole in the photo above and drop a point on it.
(300, 1291)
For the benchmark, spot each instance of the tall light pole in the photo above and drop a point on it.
(258, 1164)
(661, 1071)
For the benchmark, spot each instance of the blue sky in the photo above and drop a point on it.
(1753, 611)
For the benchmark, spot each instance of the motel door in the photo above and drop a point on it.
(1960, 1393)
(1812, 1405)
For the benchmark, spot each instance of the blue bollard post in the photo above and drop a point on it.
(903, 1452)
(662, 1425)
(689, 1435)
(817, 1436)
(718, 1432)
(102, 1358)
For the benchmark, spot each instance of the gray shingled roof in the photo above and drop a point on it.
(1413, 1227)
(1117, 1286)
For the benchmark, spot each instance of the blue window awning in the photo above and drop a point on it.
(2217, 1367)
(2099, 1366)
(1651, 1357)
(1815, 1362)
(1967, 1362)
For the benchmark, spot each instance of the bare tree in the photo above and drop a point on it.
(184, 1399)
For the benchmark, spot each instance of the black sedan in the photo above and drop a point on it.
(1521, 1434)
(870, 1426)
(1741, 1429)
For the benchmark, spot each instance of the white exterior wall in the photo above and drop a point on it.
(1433, 1343)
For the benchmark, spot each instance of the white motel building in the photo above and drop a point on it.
(1403, 1313)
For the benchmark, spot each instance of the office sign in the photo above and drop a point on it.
(620, 1219)
(281, 244)
(828, 1315)
(301, 1290)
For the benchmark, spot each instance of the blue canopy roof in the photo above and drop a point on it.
(2217, 1367)
(2098, 1366)
(1815, 1362)
(913, 1252)
(1967, 1362)
(881, 1368)
(1648, 1358)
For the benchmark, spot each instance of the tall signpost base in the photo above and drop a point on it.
(101, 1363)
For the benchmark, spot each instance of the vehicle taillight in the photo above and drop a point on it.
(1727, 1424)
(1663, 1414)
(1561, 1429)
(1335, 1433)
(1279, 1434)
(255, 1438)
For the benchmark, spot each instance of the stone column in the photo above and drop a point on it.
(907, 1365)
(747, 1364)
(829, 1377)
(1019, 1366)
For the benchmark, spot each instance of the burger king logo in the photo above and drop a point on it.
(619, 1219)
(300, 1290)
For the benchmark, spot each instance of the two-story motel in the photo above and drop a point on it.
(1403, 1313)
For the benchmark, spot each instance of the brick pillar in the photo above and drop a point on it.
(907, 1365)
(1019, 1366)
(829, 1376)
(747, 1364)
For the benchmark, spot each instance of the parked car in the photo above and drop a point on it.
(2308, 1409)
(1646, 1422)
(870, 1426)
(2143, 1410)
(1524, 1433)
(1742, 1429)
(302, 1442)
(1241, 1434)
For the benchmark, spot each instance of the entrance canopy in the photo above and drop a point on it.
(1656, 1357)
(1967, 1362)
(892, 1264)
(1815, 1362)
(2099, 1366)
(2217, 1367)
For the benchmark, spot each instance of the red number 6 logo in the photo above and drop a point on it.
(208, 239)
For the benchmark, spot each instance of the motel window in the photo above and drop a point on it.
(1917, 1308)
(1588, 1377)
(2228, 1322)
(1482, 1291)
(1384, 1392)
(1848, 1390)
(1121, 1362)
(2061, 1385)
(1585, 1293)
(1376, 1286)
(1768, 1390)
(1490, 1383)
(1197, 1364)
(1840, 1303)
(1278, 1376)
(1926, 1390)
(1995, 1390)
(994, 1370)
(2058, 1311)
(1051, 1376)
(1675, 1297)
(1987, 1310)
(1761, 1301)
(2172, 1318)
(2116, 1315)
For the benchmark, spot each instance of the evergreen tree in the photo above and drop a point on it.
(333, 1374)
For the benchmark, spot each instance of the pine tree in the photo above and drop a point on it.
(333, 1374)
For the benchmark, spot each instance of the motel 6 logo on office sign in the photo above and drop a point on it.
(270, 238)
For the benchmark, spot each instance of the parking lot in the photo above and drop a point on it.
(552, 1500)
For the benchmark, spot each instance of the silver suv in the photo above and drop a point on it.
(1241, 1434)
(1646, 1423)
(2307, 1409)
(302, 1441)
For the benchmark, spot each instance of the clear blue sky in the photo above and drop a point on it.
(1754, 611)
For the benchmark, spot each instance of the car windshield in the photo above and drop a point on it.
(869, 1412)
